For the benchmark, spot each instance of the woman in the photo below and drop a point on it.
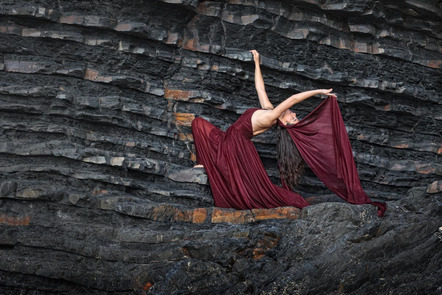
(236, 174)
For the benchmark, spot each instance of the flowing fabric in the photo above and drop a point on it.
(323, 143)
(236, 174)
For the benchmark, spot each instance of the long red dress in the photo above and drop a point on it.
(237, 176)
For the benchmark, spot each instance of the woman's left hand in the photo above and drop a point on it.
(326, 92)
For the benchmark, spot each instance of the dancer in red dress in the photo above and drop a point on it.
(236, 174)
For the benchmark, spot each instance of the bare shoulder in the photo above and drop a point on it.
(262, 120)
(258, 115)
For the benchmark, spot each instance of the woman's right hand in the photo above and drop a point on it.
(255, 56)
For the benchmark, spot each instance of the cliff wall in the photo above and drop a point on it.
(97, 194)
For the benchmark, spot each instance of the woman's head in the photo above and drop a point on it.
(290, 163)
(288, 118)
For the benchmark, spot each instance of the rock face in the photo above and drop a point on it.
(96, 191)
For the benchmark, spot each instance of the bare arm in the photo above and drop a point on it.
(259, 84)
(296, 98)
(263, 120)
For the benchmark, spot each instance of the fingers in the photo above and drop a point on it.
(254, 53)
(328, 92)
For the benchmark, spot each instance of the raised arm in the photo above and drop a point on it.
(262, 120)
(296, 98)
(259, 84)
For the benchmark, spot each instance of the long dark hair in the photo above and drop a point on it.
(291, 165)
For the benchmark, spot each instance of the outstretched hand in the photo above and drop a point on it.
(255, 55)
(327, 92)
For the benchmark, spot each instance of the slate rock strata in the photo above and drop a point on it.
(96, 102)
(113, 245)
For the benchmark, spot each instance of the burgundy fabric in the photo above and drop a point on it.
(236, 174)
(323, 143)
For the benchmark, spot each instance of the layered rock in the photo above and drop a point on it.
(96, 102)
(133, 247)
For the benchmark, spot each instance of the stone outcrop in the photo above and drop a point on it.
(96, 191)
